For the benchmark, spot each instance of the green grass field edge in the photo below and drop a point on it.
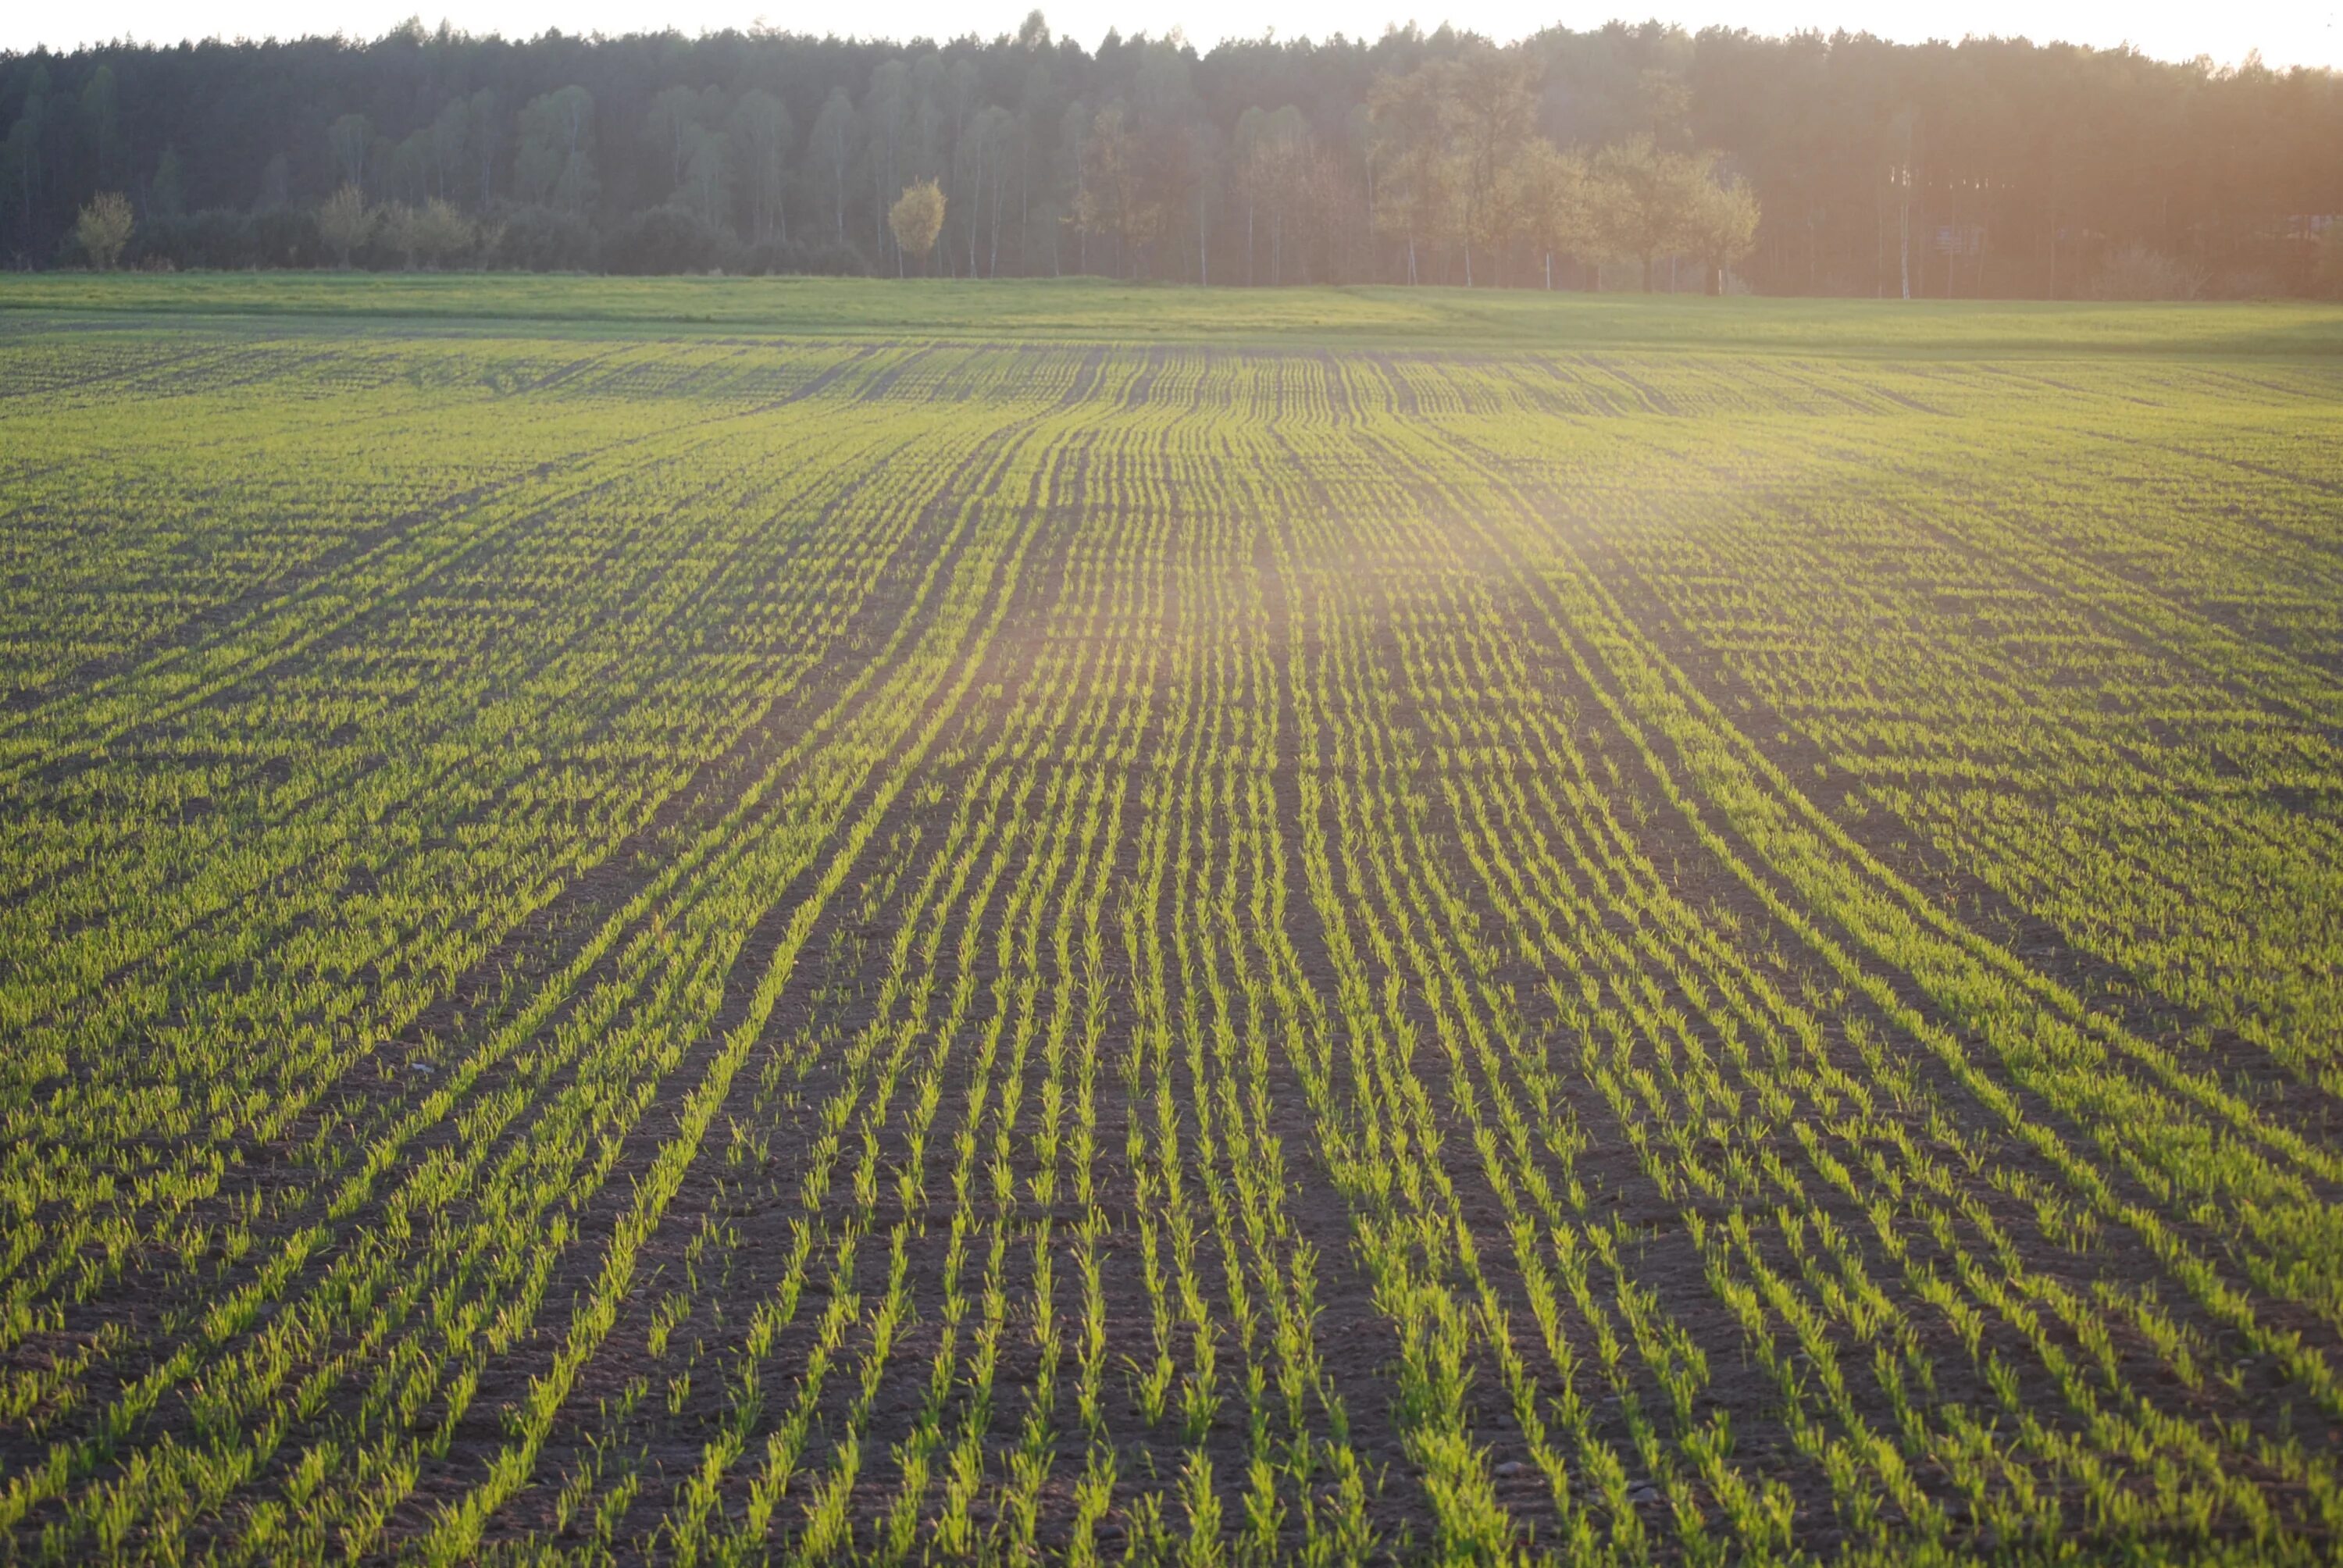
(1444, 318)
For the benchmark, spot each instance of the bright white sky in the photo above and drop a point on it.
(2305, 32)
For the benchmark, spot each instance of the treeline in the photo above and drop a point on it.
(1628, 157)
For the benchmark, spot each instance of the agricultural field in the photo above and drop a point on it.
(1421, 930)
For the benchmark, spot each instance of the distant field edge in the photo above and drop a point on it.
(1427, 317)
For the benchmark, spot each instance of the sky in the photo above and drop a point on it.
(2304, 33)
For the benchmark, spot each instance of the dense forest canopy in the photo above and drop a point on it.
(1629, 155)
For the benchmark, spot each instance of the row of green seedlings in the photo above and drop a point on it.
(2192, 1146)
(1428, 992)
(1096, 1488)
(175, 679)
(692, 1533)
(1205, 988)
(1027, 1461)
(2139, 647)
(2149, 1130)
(1042, 719)
(1383, 1141)
(903, 1052)
(2207, 926)
(317, 688)
(1464, 670)
(937, 672)
(45, 1395)
(1787, 1103)
(134, 569)
(345, 987)
(552, 650)
(1514, 840)
(50, 1393)
(2149, 1313)
(662, 938)
(129, 558)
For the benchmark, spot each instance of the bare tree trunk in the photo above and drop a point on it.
(1903, 253)
(1953, 251)
(2054, 247)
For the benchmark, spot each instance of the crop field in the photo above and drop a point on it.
(1620, 936)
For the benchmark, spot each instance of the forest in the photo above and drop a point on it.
(1628, 157)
